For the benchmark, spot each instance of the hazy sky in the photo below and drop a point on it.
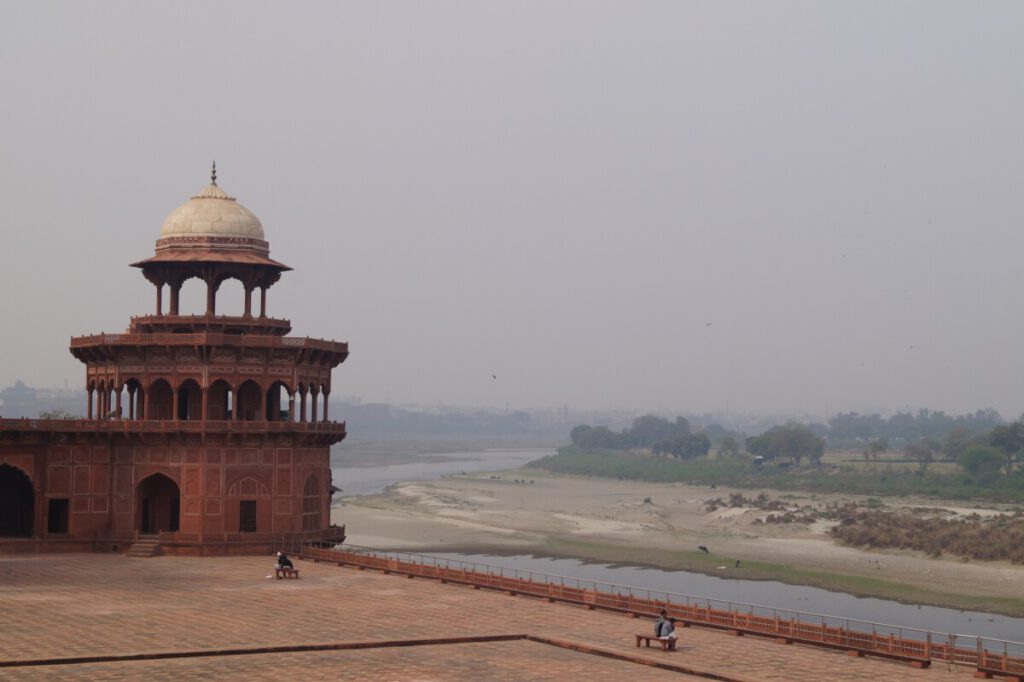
(758, 206)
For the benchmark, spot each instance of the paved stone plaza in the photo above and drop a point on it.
(96, 605)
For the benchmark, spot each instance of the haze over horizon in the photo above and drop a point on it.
(675, 206)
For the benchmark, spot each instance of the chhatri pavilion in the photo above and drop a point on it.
(203, 434)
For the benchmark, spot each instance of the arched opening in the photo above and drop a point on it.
(132, 408)
(101, 401)
(17, 502)
(190, 401)
(300, 402)
(231, 298)
(218, 402)
(160, 402)
(159, 505)
(250, 399)
(278, 403)
(192, 297)
(311, 504)
(121, 399)
(90, 394)
(111, 401)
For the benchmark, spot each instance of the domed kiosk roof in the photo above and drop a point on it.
(212, 213)
(212, 227)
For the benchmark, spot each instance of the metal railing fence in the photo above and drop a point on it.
(869, 637)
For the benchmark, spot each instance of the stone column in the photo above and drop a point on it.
(119, 391)
(211, 298)
(263, 302)
(160, 300)
(327, 395)
(175, 290)
(315, 396)
(88, 396)
(302, 403)
(248, 301)
(206, 400)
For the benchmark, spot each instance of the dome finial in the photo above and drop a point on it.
(213, 174)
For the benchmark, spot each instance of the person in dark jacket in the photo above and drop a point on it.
(662, 619)
(283, 562)
(668, 629)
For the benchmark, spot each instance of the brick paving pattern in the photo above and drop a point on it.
(91, 604)
(520, 660)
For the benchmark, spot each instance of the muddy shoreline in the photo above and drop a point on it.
(661, 525)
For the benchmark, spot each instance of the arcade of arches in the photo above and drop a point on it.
(210, 431)
(131, 400)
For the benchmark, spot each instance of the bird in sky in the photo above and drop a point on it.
(494, 376)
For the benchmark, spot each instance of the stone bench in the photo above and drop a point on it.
(667, 643)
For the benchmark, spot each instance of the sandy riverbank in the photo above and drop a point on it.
(609, 521)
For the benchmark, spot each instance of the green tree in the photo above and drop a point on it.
(923, 452)
(728, 446)
(956, 443)
(1010, 439)
(56, 414)
(983, 461)
(875, 447)
(793, 441)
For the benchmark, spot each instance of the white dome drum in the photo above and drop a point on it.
(212, 213)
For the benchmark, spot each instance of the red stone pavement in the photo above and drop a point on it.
(87, 605)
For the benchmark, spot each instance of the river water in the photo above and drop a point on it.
(367, 480)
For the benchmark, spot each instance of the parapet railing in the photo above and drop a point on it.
(167, 426)
(920, 647)
(208, 339)
(252, 320)
(333, 534)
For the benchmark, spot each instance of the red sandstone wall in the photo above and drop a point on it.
(101, 483)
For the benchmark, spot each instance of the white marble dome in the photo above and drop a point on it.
(212, 213)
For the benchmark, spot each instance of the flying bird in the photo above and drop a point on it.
(494, 376)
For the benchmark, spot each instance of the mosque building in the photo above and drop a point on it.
(203, 434)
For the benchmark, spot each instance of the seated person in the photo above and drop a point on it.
(668, 629)
(283, 562)
(662, 619)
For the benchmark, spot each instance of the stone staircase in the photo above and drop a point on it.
(144, 547)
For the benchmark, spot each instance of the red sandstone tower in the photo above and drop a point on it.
(207, 433)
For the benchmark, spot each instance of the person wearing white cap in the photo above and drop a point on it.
(283, 562)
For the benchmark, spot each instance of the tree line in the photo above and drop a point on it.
(849, 430)
(984, 454)
(661, 436)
